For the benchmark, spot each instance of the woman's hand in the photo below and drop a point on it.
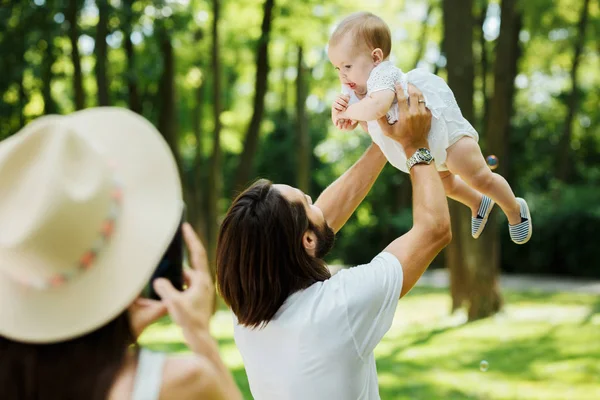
(143, 313)
(192, 308)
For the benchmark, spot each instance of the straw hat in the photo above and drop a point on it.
(89, 203)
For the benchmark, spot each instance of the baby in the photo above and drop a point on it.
(359, 49)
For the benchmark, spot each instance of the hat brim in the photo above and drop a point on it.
(149, 217)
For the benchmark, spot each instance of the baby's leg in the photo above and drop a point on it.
(458, 190)
(465, 159)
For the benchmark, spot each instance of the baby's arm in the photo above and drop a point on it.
(371, 108)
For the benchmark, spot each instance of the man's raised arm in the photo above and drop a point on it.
(343, 196)
(430, 232)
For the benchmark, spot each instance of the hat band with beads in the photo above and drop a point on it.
(87, 259)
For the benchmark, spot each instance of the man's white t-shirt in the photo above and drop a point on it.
(320, 343)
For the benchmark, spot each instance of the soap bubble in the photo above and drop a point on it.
(492, 161)
(483, 366)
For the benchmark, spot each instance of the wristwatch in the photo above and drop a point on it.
(421, 156)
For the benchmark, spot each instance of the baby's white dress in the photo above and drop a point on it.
(447, 125)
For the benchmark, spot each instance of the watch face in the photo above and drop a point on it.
(425, 154)
(422, 155)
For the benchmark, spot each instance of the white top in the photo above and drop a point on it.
(148, 377)
(319, 345)
(447, 125)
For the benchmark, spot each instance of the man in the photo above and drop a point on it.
(303, 334)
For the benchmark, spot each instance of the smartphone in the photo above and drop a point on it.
(170, 266)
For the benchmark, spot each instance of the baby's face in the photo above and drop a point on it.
(353, 64)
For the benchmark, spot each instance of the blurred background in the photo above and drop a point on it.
(242, 89)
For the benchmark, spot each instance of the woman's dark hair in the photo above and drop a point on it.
(260, 256)
(77, 369)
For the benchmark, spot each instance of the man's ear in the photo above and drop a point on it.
(309, 241)
(377, 56)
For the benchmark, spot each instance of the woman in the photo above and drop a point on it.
(90, 203)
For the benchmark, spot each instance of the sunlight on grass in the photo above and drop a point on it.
(542, 346)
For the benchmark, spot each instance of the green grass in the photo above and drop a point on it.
(543, 346)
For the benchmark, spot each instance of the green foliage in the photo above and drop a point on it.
(566, 221)
(36, 81)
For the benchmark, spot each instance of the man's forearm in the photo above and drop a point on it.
(343, 196)
(430, 206)
(431, 226)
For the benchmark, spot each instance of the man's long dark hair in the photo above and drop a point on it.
(260, 256)
(81, 368)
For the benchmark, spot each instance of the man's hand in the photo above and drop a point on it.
(412, 128)
(340, 104)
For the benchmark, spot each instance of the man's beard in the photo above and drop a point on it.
(325, 239)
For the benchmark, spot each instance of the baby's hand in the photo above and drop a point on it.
(340, 104)
(346, 124)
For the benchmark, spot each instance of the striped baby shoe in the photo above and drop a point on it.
(521, 233)
(478, 222)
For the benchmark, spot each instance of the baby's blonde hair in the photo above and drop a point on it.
(366, 27)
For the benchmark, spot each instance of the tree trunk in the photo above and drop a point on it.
(471, 278)
(283, 104)
(505, 72)
(132, 87)
(47, 76)
(71, 16)
(22, 101)
(454, 257)
(21, 45)
(485, 298)
(458, 39)
(48, 61)
(483, 70)
(167, 118)
(197, 186)
(497, 137)
(422, 44)
(100, 50)
(302, 134)
(564, 165)
(458, 31)
(262, 71)
(215, 175)
(436, 67)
